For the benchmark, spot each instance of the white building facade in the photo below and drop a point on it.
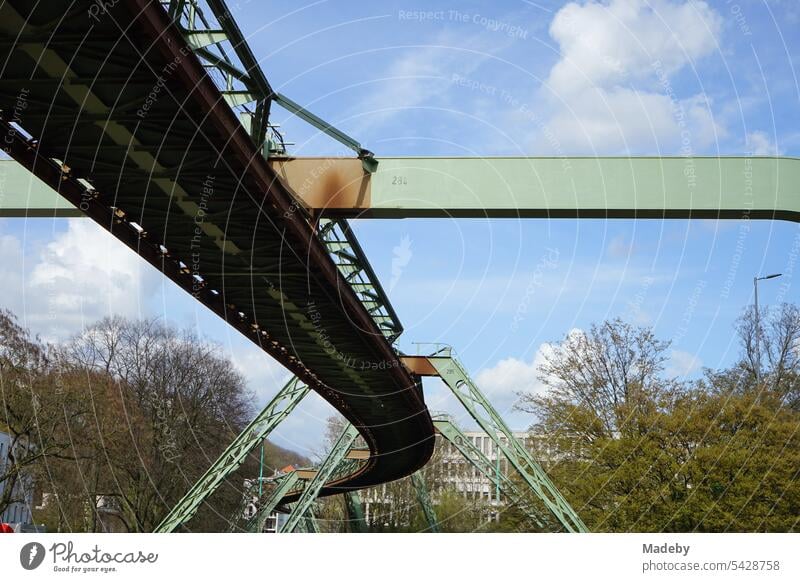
(450, 470)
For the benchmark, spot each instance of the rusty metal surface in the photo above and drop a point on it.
(325, 184)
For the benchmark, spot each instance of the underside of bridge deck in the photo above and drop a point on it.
(113, 111)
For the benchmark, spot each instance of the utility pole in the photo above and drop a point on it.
(758, 322)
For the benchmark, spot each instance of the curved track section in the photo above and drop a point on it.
(110, 108)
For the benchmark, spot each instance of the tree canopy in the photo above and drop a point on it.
(638, 451)
(120, 421)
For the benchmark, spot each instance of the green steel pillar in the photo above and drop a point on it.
(355, 512)
(307, 522)
(310, 524)
(324, 473)
(266, 421)
(462, 386)
(452, 434)
(261, 472)
(424, 499)
(497, 483)
(283, 485)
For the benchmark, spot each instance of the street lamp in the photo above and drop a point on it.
(758, 322)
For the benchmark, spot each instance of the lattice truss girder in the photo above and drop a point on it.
(213, 36)
(325, 473)
(499, 479)
(424, 500)
(231, 459)
(481, 410)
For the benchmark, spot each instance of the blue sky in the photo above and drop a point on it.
(501, 78)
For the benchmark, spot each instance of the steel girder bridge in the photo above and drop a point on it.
(153, 119)
(156, 128)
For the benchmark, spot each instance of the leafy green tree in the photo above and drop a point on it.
(635, 451)
(600, 381)
(455, 513)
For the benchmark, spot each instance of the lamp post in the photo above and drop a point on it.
(758, 322)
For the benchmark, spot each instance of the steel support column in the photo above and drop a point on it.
(463, 388)
(269, 418)
(307, 522)
(283, 485)
(452, 434)
(323, 474)
(424, 499)
(355, 512)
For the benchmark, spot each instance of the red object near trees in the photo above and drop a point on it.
(5, 528)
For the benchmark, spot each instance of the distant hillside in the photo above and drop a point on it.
(276, 457)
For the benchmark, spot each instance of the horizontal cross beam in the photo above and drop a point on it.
(618, 187)
(723, 187)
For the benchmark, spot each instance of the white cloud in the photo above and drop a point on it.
(502, 382)
(11, 264)
(401, 256)
(511, 375)
(760, 144)
(501, 385)
(603, 45)
(683, 364)
(610, 92)
(82, 275)
(624, 119)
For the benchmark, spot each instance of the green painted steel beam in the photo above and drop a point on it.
(307, 522)
(282, 485)
(339, 239)
(23, 195)
(424, 500)
(367, 158)
(576, 187)
(481, 410)
(727, 187)
(734, 187)
(355, 512)
(323, 475)
(310, 521)
(198, 39)
(452, 434)
(214, 37)
(202, 35)
(251, 437)
(237, 98)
